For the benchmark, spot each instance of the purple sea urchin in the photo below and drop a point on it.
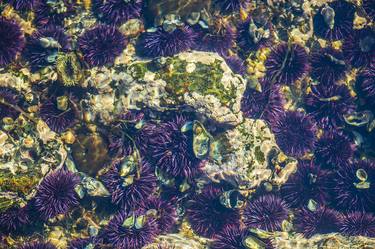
(328, 66)
(369, 7)
(166, 213)
(267, 104)
(320, 221)
(37, 245)
(287, 63)
(117, 12)
(101, 45)
(43, 45)
(206, 215)
(130, 186)
(131, 230)
(81, 244)
(365, 83)
(358, 224)
(57, 113)
(334, 21)
(295, 133)
(266, 212)
(8, 98)
(165, 43)
(11, 41)
(328, 105)
(359, 47)
(14, 219)
(171, 150)
(333, 149)
(229, 6)
(23, 5)
(308, 183)
(353, 188)
(236, 64)
(56, 194)
(52, 12)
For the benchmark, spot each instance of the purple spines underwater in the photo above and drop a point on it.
(359, 47)
(308, 183)
(37, 245)
(232, 237)
(101, 45)
(130, 189)
(322, 220)
(229, 6)
(43, 45)
(171, 150)
(329, 105)
(358, 224)
(353, 188)
(11, 41)
(369, 7)
(365, 83)
(328, 66)
(117, 12)
(266, 104)
(131, 230)
(266, 212)
(287, 63)
(207, 216)
(236, 64)
(81, 244)
(165, 43)
(56, 194)
(295, 133)
(166, 213)
(58, 117)
(8, 98)
(23, 5)
(334, 21)
(13, 219)
(333, 149)
(52, 12)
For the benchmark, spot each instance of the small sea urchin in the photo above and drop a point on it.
(52, 12)
(359, 47)
(358, 224)
(56, 194)
(295, 133)
(101, 45)
(365, 83)
(37, 245)
(14, 219)
(11, 41)
(286, 63)
(266, 212)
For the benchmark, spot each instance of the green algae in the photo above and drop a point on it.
(139, 70)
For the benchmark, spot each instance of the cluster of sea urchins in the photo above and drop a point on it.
(150, 182)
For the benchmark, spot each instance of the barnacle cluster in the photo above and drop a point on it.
(231, 124)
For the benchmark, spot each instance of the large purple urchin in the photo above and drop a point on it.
(56, 194)
(166, 213)
(320, 221)
(353, 188)
(131, 190)
(171, 150)
(369, 7)
(308, 183)
(23, 5)
(52, 12)
(130, 236)
(359, 47)
(333, 149)
(334, 21)
(13, 219)
(358, 224)
(207, 216)
(11, 41)
(365, 84)
(295, 133)
(328, 66)
(8, 97)
(37, 245)
(328, 105)
(58, 120)
(286, 63)
(267, 104)
(101, 45)
(165, 43)
(117, 12)
(266, 212)
(39, 54)
(233, 237)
